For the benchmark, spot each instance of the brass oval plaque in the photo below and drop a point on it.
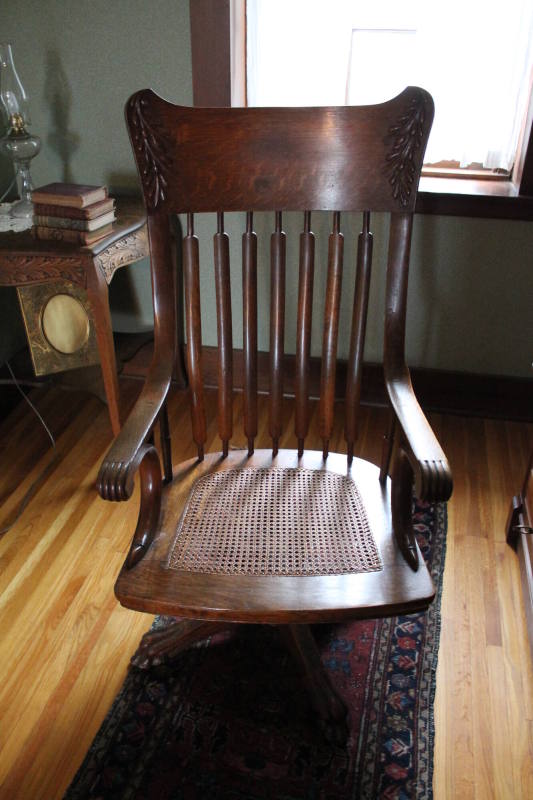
(65, 323)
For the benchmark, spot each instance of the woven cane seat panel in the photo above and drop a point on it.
(274, 521)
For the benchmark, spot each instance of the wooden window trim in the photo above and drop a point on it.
(470, 197)
(210, 52)
(453, 170)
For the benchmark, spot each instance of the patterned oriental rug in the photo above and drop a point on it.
(229, 718)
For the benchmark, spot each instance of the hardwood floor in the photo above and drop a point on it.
(65, 642)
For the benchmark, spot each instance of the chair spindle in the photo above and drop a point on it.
(277, 328)
(357, 339)
(331, 330)
(166, 447)
(387, 447)
(224, 334)
(303, 335)
(193, 324)
(249, 289)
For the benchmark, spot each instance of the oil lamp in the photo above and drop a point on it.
(17, 143)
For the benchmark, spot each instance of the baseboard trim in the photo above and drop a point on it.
(437, 390)
(501, 397)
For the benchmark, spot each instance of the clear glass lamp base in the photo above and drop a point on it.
(22, 209)
(21, 148)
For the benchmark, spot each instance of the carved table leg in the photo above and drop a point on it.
(165, 644)
(97, 293)
(331, 710)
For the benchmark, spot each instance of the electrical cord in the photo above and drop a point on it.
(46, 471)
(55, 458)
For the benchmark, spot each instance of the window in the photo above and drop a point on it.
(475, 58)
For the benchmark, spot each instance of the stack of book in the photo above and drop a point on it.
(72, 212)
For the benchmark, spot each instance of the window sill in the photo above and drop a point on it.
(461, 197)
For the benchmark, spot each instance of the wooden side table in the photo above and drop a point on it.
(84, 273)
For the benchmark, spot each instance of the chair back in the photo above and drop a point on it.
(337, 159)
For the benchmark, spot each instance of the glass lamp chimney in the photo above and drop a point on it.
(12, 94)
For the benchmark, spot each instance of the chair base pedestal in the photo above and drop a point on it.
(331, 710)
(161, 646)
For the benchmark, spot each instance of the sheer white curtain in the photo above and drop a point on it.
(475, 57)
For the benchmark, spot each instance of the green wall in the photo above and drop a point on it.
(79, 61)
(471, 280)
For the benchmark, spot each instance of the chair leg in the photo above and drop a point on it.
(163, 645)
(331, 709)
(402, 508)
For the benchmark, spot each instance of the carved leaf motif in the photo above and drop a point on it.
(38, 269)
(153, 161)
(406, 137)
(125, 251)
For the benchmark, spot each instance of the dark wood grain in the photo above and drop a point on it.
(402, 507)
(224, 333)
(277, 329)
(117, 472)
(150, 472)
(358, 161)
(387, 447)
(166, 444)
(249, 305)
(210, 52)
(430, 466)
(193, 323)
(303, 330)
(357, 338)
(331, 330)
(99, 303)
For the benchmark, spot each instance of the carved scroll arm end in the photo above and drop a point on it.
(431, 470)
(115, 482)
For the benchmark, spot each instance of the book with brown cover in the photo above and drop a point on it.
(77, 195)
(74, 224)
(89, 212)
(81, 237)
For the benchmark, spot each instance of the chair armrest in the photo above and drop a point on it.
(433, 477)
(117, 471)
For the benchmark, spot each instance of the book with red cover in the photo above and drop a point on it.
(76, 195)
(88, 212)
(62, 234)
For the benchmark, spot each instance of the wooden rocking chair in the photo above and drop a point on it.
(279, 537)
